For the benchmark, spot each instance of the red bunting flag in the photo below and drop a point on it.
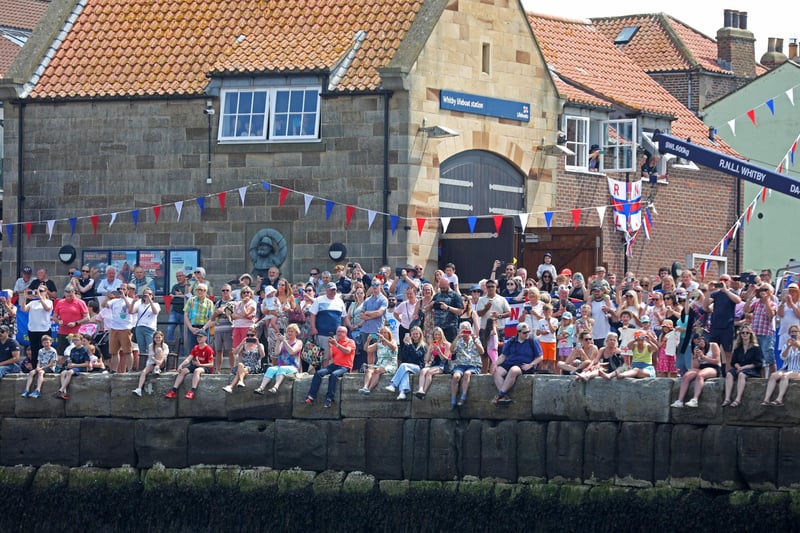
(752, 116)
(167, 301)
(284, 194)
(576, 217)
(749, 212)
(28, 228)
(94, 219)
(157, 211)
(420, 225)
(498, 222)
(763, 194)
(702, 270)
(221, 197)
(349, 211)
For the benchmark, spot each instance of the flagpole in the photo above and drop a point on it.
(625, 248)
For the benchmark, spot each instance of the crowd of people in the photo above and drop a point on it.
(396, 323)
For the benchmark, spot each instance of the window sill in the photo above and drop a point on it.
(264, 147)
(577, 170)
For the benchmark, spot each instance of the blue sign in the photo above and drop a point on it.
(729, 165)
(485, 105)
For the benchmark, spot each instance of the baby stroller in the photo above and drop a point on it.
(99, 338)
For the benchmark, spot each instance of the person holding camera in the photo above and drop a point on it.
(788, 312)
(789, 372)
(405, 278)
(721, 303)
(761, 303)
(250, 353)
(287, 361)
(342, 351)
(147, 310)
(447, 306)
(117, 322)
(373, 312)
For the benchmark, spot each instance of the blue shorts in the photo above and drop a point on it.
(77, 371)
(647, 367)
(767, 344)
(463, 369)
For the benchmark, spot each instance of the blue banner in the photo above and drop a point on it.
(729, 165)
(484, 105)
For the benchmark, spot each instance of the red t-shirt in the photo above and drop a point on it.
(204, 355)
(69, 312)
(343, 359)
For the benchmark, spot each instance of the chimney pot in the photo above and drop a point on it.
(727, 18)
(771, 44)
(734, 19)
(779, 45)
(743, 20)
(792, 48)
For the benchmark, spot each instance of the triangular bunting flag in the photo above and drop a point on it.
(135, 217)
(242, 193)
(179, 208)
(576, 215)
(420, 225)
(445, 223)
(94, 219)
(749, 212)
(10, 233)
(266, 186)
(790, 95)
(752, 116)
(523, 221)
(282, 197)
(601, 213)
(221, 197)
(394, 219)
(498, 222)
(28, 229)
(157, 212)
(548, 218)
(201, 202)
(736, 228)
(307, 201)
(702, 270)
(732, 126)
(72, 222)
(113, 219)
(471, 220)
(50, 224)
(328, 209)
(370, 218)
(349, 211)
(771, 106)
(763, 194)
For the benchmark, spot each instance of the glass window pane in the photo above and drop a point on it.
(243, 126)
(296, 105)
(231, 99)
(281, 101)
(295, 121)
(257, 126)
(259, 102)
(245, 102)
(311, 101)
(309, 124)
(228, 126)
(279, 126)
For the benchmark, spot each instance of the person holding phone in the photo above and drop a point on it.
(705, 365)
(39, 306)
(789, 372)
(286, 362)
(249, 352)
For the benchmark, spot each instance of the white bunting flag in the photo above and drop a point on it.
(523, 220)
(732, 126)
(601, 212)
(50, 224)
(790, 95)
(307, 199)
(242, 193)
(370, 218)
(445, 223)
(179, 208)
(113, 219)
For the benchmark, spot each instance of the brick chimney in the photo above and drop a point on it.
(736, 45)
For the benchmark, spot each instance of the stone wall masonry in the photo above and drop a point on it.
(619, 432)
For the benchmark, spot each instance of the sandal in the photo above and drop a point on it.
(776, 403)
(273, 390)
(735, 403)
(766, 403)
(726, 403)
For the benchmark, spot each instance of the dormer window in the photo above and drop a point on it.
(625, 35)
(269, 114)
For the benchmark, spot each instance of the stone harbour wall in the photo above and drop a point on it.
(620, 433)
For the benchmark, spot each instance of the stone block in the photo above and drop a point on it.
(36, 441)
(481, 391)
(316, 410)
(499, 450)
(89, 395)
(757, 453)
(789, 458)
(708, 410)
(600, 452)
(532, 449)
(443, 456)
(468, 441)
(598, 402)
(686, 456)
(10, 389)
(152, 404)
(437, 402)
(44, 407)
(162, 441)
(416, 439)
(643, 400)
(661, 452)
(564, 459)
(107, 442)
(301, 443)
(379, 403)
(243, 404)
(209, 401)
(719, 464)
(552, 396)
(385, 447)
(347, 444)
(635, 459)
(246, 443)
(751, 412)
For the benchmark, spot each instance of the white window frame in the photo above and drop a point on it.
(270, 118)
(578, 142)
(619, 149)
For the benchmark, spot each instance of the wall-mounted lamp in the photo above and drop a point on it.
(436, 132)
(559, 148)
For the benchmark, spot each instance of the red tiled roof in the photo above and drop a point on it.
(8, 51)
(586, 59)
(22, 14)
(138, 47)
(663, 43)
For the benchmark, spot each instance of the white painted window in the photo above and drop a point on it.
(274, 114)
(577, 131)
(618, 145)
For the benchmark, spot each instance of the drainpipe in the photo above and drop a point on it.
(385, 238)
(20, 183)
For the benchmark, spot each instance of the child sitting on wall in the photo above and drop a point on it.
(79, 361)
(46, 365)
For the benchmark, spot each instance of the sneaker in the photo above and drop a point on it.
(171, 394)
(679, 404)
(25, 393)
(228, 389)
(259, 391)
(157, 370)
(309, 400)
(420, 395)
(390, 388)
(36, 394)
(57, 394)
(691, 403)
(64, 396)
(401, 396)
(189, 395)
(504, 400)
(241, 384)
(364, 391)
(328, 404)
(137, 391)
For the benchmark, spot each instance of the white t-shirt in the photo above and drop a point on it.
(499, 305)
(547, 324)
(119, 318)
(38, 317)
(145, 316)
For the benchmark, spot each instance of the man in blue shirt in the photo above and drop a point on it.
(521, 355)
(9, 353)
(372, 316)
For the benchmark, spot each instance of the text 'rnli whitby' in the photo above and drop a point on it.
(485, 105)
